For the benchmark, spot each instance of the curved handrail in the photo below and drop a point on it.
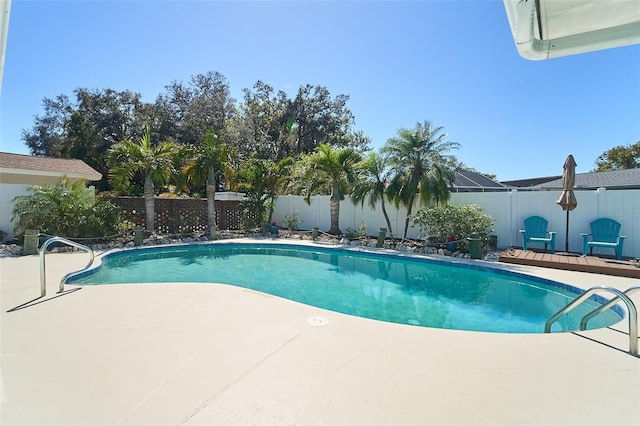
(609, 304)
(631, 308)
(43, 250)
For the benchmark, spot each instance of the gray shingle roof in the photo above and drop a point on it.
(615, 179)
(71, 167)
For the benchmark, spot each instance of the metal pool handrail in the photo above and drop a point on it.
(43, 273)
(631, 308)
(609, 304)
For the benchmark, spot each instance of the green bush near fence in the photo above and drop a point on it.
(292, 221)
(453, 223)
(67, 209)
(361, 232)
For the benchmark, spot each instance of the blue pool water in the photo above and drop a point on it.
(394, 288)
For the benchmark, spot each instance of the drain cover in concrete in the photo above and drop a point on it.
(317, 321)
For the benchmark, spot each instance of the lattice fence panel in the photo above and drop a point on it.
(162, 219)
(181, 215)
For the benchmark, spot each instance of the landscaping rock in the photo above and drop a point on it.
(13, 250)
(10, 250)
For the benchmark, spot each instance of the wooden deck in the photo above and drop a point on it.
(573, 262)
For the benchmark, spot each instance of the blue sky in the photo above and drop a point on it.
(451, 62)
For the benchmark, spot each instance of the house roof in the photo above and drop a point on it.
(614, 179)
(475, 182)
(527, 183)
(29, 165)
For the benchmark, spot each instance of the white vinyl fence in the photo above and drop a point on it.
(508, 209)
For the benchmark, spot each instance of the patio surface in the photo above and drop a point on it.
(198, 354)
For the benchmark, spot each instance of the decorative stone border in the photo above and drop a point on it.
(408, 246)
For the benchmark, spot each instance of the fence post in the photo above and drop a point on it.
(514, 215)
(317, 210)
(601, 194)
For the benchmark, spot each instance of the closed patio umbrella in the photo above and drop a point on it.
(567, 199)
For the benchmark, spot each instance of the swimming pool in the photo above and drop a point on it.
(388, 287)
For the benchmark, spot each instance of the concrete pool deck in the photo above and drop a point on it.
(198, 354)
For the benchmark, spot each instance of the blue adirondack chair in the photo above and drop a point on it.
(535, 231)
(604, 233)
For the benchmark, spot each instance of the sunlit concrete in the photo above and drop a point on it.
(199, 354)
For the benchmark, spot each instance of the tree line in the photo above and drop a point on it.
(195, 139)
(266, 124)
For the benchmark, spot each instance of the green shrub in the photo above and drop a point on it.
(253, 211)
(361, 232)
(292, 220)
(453, 223)
(103, 219)
(67, 210)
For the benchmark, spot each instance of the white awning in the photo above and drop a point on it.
(544, 29)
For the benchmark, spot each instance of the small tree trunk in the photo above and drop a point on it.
(211, 202)
(271, 202)
(334, 204)
(149, 203)
(406, 222)
(386, 217)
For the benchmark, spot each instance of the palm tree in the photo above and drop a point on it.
(336, 168)
(278, 175)
(420, 167)
(262, 180)
(372, 178)
(127, 158)
(204, 165)
(178, 178)
(251, 181)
